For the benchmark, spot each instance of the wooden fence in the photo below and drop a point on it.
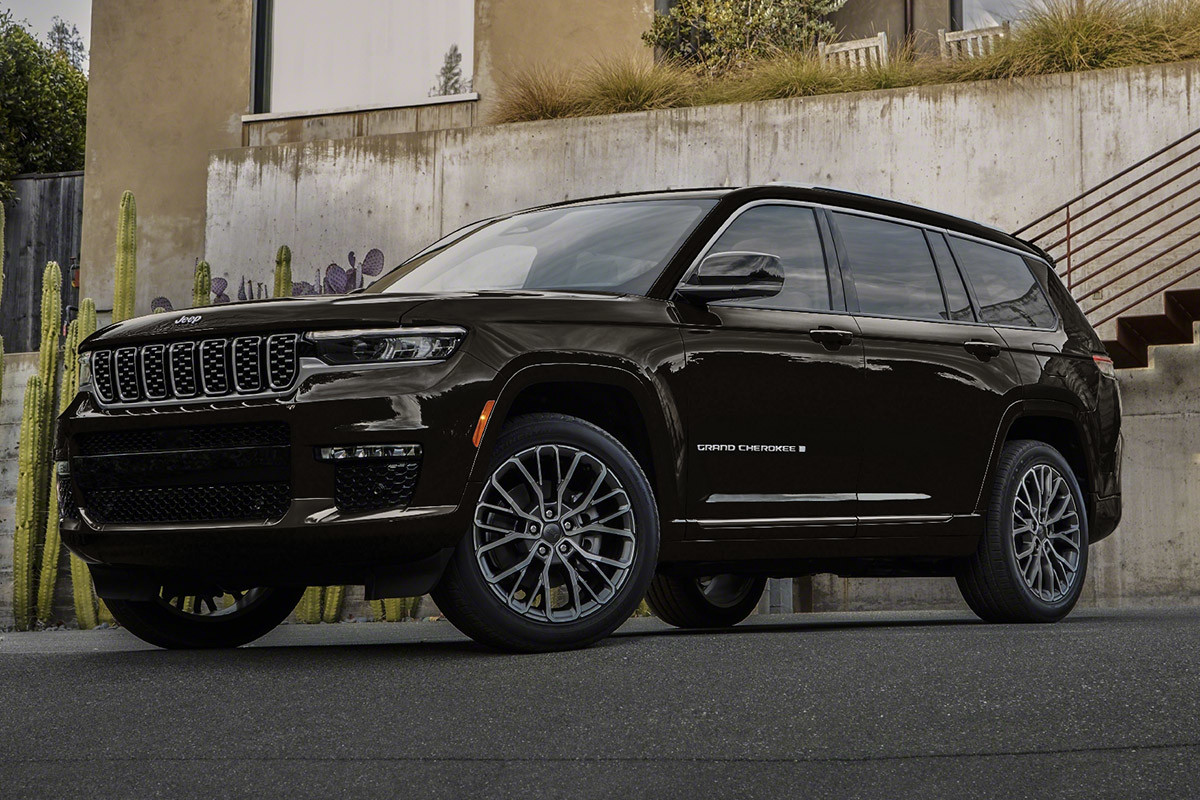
(43, 223)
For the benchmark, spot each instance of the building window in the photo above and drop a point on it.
(316, 55)
(986, 13)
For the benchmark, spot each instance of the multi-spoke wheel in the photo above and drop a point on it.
(711, 601)
(1032, 558)
(176, 618)
(1046, 531)
(564, 539)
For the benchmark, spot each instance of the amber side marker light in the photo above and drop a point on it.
(481, 426)
(1106, 366)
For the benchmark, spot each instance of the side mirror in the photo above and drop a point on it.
(734, 275)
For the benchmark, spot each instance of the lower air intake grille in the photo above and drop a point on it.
(374, 485)
(225, 502)
(204, 437)
(205, 473)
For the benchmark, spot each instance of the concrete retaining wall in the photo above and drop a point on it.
(1001, 152)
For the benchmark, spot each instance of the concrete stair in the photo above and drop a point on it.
(1135, 334)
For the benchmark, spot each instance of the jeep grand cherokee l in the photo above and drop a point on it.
(547, 416)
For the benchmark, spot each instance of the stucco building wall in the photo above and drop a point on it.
(169, 82)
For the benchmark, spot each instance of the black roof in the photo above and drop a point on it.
(839, 198)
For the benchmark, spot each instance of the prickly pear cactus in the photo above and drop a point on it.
(283, 272)
(202, 285)
(24, 541)
(126, 260)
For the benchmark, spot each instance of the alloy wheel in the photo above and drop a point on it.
(1046, 533)
(211, 604)
(554, 533)
(725, 591)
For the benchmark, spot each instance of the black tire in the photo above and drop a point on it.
(991, 581)
(684, 602)
(159, 623)
(471, 604)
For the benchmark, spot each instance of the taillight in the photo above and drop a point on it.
(1106, 366)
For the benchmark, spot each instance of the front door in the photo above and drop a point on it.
(774, 391)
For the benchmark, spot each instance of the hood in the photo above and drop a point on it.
(298, 314)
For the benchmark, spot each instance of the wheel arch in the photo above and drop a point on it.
(618, 399)
(1055, 423)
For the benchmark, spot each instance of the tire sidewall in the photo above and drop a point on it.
(520, 435)
(156, 624)
(1034, 605)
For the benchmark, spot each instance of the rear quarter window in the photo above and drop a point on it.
(1005, 287)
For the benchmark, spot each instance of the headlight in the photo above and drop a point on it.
(85, 371)
(382, 345)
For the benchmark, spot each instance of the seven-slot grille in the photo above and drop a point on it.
(206, 369)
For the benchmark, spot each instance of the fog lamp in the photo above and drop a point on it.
(368, 451)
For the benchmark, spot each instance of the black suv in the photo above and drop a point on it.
(547, 416)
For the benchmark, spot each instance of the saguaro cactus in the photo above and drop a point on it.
(1, 298)
(126, 261)
(283, 272)
(52, 547)
(81, 578)
(1, 252)
(310, 607)
(332, 611)
(24, 541)
(45, 412)
(202, 285)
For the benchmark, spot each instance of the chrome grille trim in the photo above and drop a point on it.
(194, 371)
(247, 364)
(126, 372)
(281, 360)
(184, 381)
(102, 372)
(214, 367)
(154, 372)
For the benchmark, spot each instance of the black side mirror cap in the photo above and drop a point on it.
(734, 275)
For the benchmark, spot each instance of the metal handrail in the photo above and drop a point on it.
(1104, 183)
(1067, 231)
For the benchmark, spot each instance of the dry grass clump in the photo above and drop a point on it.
(1054, 36)
(538, 93)
(617, 85)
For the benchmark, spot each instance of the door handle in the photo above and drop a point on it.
(984, 351)
(831, 338)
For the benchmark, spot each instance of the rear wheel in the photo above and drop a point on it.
(564, 541)
(1032, 558)
(715, 601)
(178, 620)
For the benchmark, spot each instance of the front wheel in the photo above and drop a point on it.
(564, 540)
(714, 601)
(176, 620)
(1033, 555)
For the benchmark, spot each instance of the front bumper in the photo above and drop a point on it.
(314, 542)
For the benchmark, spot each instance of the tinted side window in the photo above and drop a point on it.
(1006, 290)
(894, 274)
(790, 233)
(956, 291)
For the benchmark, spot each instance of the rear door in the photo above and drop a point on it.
(774, 389)
(935, 378)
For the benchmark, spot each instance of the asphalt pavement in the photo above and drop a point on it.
(930, 705)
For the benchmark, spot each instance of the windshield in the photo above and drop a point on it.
(618, 247)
